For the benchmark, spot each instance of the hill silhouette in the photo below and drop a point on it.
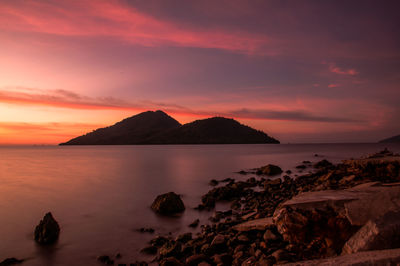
(391, 140)
(159, 128)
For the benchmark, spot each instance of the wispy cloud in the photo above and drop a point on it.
(341, 71)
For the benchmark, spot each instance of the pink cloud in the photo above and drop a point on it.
(335, 69)
(116, 20)
(333, 85)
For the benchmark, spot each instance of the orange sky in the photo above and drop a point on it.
(310, 72)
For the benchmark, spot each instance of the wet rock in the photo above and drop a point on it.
(170, 249)
(146, 230)
(168, 204)
(183, 238)
(224, 259)
(269, 236)
(195, 223)
(213, 182)
(323, 164)
(281, 255)
(105, 260)
(381, 233)
(171, 261)
(218, 244)
(47, 231)
(270, 170)
(149, 250)
(10, 261)
(195, 259)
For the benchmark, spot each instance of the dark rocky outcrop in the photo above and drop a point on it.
(159, 128)
(168, 204)
(395, 139)
(47, 231)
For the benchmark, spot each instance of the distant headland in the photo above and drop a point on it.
(391, 140)
(157, 127)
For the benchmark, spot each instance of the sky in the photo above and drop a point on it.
(302, 71)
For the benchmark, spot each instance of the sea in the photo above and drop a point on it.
(101, 195)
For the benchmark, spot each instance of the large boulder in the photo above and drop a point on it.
(380, 233)
(269, 169)
(47, 231)
(168, 204)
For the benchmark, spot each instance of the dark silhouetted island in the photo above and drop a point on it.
(391, 140)
(157, 127)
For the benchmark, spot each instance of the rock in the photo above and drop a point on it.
(10, 261)
(380, 233)
(218, 244)
(281, 255)
(213, 182)
(158, 241)
(183, 238)
(105, 260)
(195, 223)
(269, 236)
(149, 250)
(168, 204)
(302, 166)
(171, 261)
(257, 224)
(224, 259)
(195, 259)
(203, 263)
(323, 164)
(47, 231)
(243, 238)
(146, 230)
(269, 169)
(170, 249)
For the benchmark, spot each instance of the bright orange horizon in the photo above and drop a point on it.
(305, 72)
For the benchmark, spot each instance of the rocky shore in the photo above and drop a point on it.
(335, 210)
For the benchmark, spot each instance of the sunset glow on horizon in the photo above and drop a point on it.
(301, 71)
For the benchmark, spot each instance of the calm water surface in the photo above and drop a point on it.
(100, 195)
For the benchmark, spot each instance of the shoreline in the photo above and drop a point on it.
(249, 233)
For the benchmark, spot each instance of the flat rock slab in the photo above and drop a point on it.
(375, 257)
(358, 204)
(258, 224)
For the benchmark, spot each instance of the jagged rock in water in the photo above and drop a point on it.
(47, 231)
(168, 204)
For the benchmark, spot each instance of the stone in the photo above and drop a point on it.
(171, 261)
(218, 244)
(105, 260)
(269, 236)
(195, 223)
(149, 250)
(223, 259)
(323, 164)
(213, 182)
(195, 259)
(11, 261)
(380, 233)
(257, 224)
(170, 249)
(281, 255)
(47, 231)
(270, 170)
(168, 204)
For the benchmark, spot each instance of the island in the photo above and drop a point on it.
(157, 127)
